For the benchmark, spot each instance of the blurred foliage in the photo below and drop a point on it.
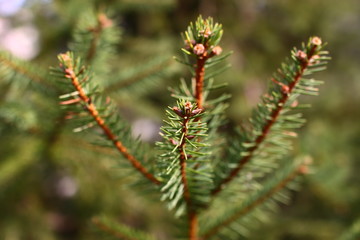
(50, 190)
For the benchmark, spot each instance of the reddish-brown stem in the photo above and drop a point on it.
(273, 117)
(199, 80)
(300, 170)
(91, 108)
(192, 215)
(193, 225)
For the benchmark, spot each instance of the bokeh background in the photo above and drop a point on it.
(52, 181)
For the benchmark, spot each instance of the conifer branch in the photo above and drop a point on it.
(21, 69)
(259, 200)
(102, 23)
(94, 40)
(104, 227)
(118, 230)
(185, 162)
(69, 71)
(201, 41)
(137, 78)
(305, 59)
(192, 215)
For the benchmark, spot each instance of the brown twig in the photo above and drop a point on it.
(286, 91)
(302, 169)
(193, 229)
(102, 23)
(192, 215)
(199, 80)
(91, 108)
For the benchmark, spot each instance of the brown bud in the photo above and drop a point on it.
(190, 137)
(178, 111)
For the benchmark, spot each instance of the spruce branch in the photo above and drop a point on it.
(288, 84)
(102, 22)
(94, 39)
(201, 41)
(118, 230)
(267, 193)
(144, 72)
(187, 113)
(71, 71)
(185, 166)
(24, 69)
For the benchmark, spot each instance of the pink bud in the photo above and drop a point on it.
(196, 111)
(217, 50)
(207, 33)
(314, 59)
(173, 142)
(301, 55)
(199, 49)
(188, 105)
(316, 41)
(104, 21)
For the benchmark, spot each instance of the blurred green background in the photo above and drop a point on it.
(53, 181)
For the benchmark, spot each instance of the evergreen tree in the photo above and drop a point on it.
(218, 181)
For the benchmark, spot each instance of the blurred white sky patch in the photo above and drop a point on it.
(23, 40)
(147, 129)
(10, 7)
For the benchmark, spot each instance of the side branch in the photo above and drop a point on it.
(103, 22)
(91, 108)
(23, 71)
(286, 92)
(104, 227)
(193, 222)
(302, 169)
(135, 79)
